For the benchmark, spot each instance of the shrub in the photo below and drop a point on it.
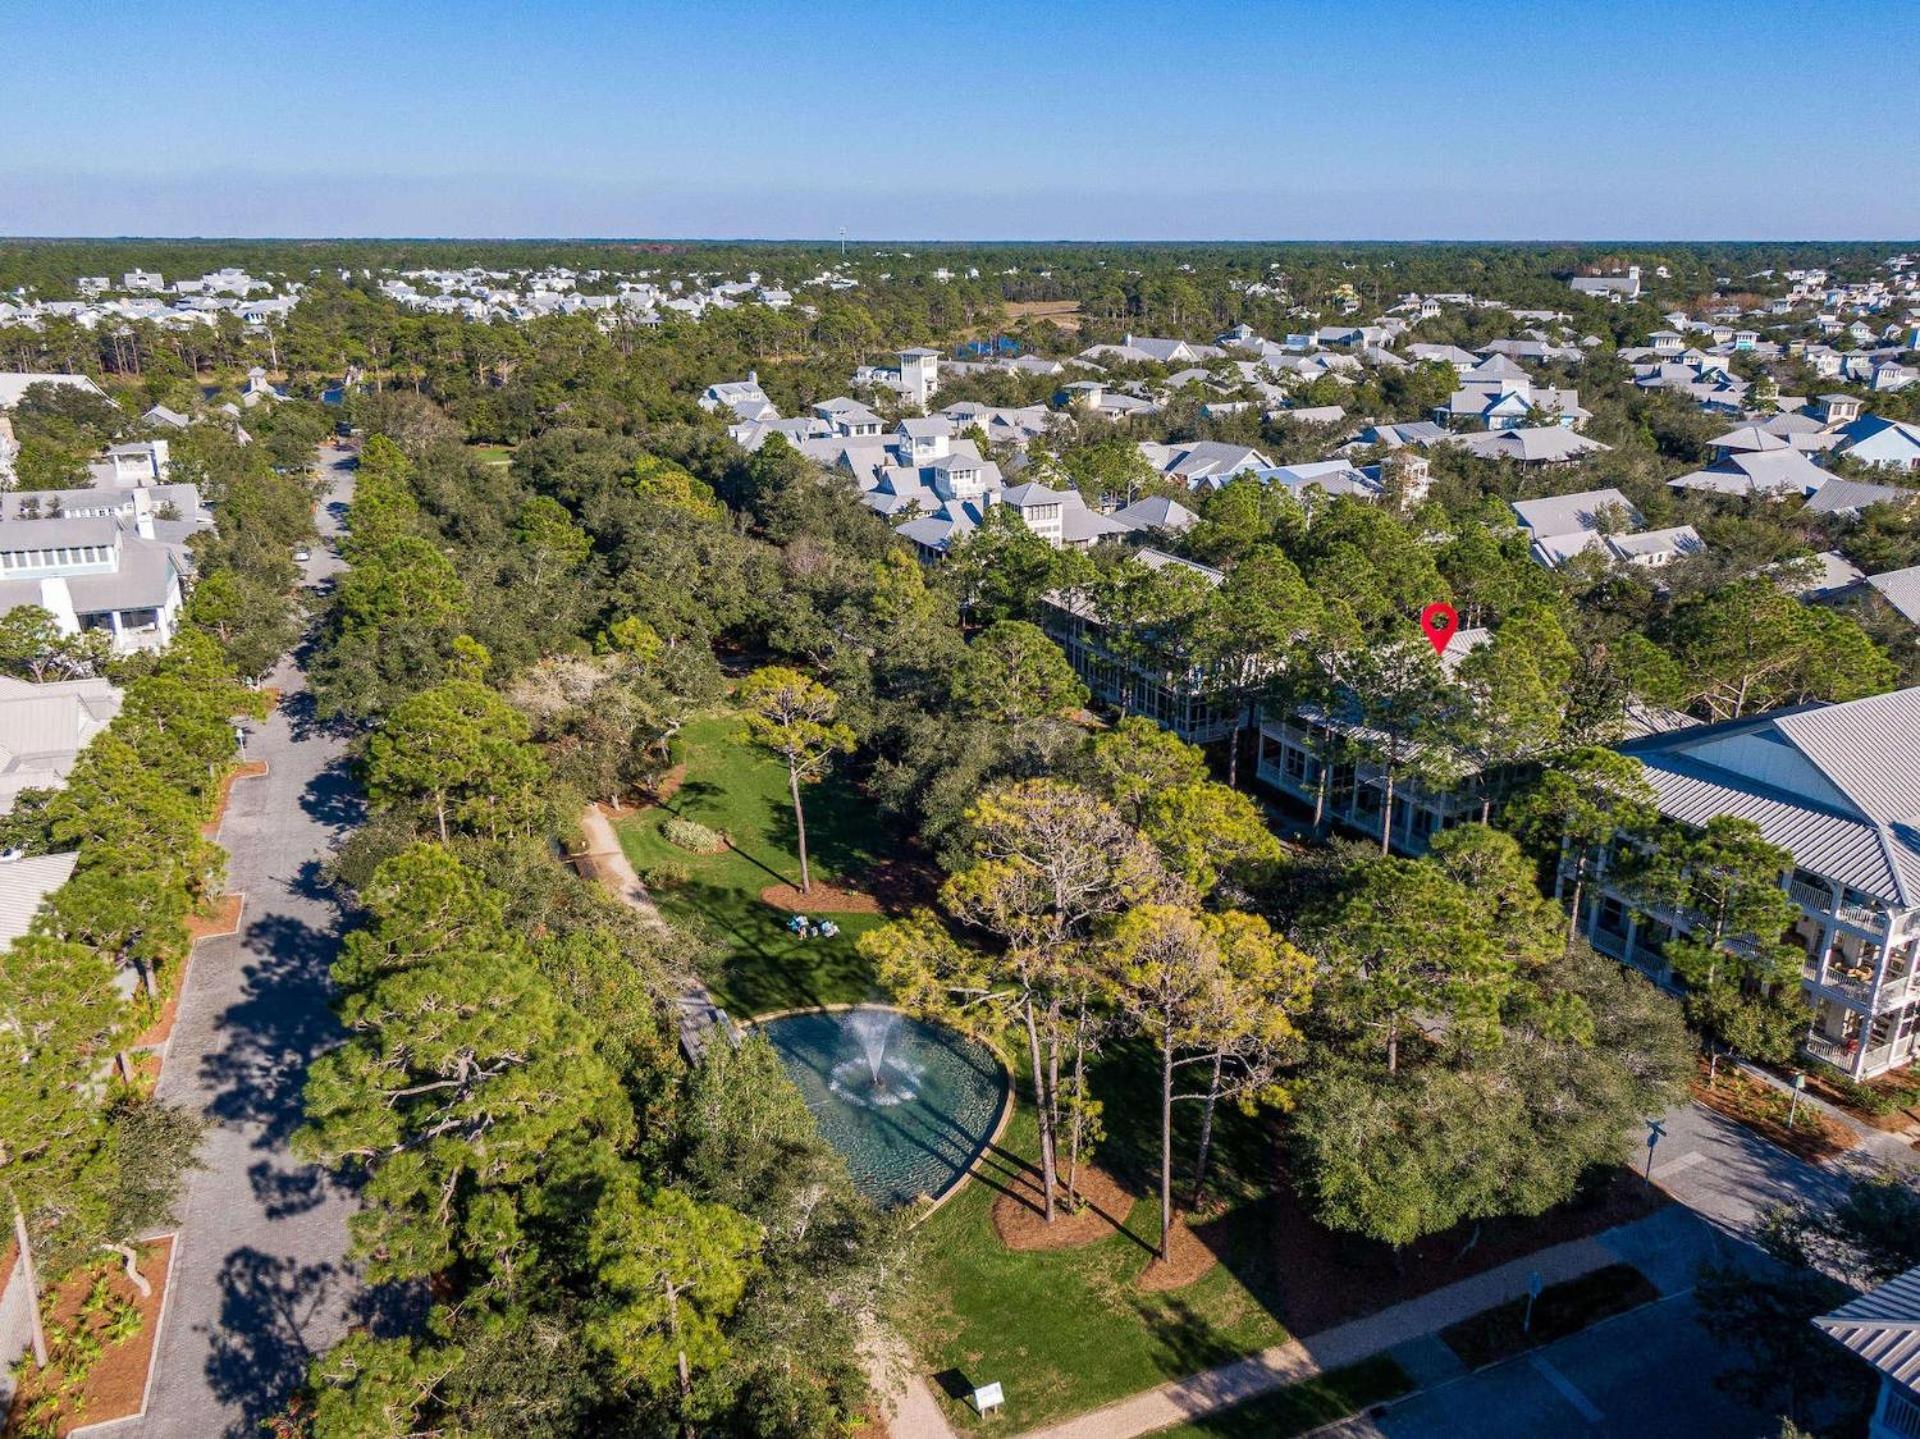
(665, 875)
(691, 835)
(1883, 1099)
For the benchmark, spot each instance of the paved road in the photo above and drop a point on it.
(1730, 1176)
(259, 1283)
(1644, 1375)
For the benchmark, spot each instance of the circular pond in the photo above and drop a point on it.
(909, 1104)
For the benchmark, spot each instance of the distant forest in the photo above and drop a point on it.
(1377, 271)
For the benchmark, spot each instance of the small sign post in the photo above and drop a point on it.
(1793, 1104)
(988, 1396)
(1534, 1285)
(1655, 1132)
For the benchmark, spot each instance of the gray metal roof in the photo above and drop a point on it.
(1867, 750)
(1156, 513)
(24, 887)
(1838, 495)
(144, 580)
(1542, 445)
(1568, 514)
(1882, 1326)
(46, 534)
(1901, 589)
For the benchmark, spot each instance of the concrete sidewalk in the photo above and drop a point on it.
(1668, 1247)
(1300, 1359)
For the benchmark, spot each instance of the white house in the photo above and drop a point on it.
(1534, 445)
(1838, 788)
(94, 573)
(43, 728)
(1609, 287)
(1600, 522)
(1783, 471)
(1873, 440)
(1882, 1327)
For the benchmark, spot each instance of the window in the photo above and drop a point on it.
(1613, 916)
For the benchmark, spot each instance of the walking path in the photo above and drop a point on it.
(1344, 1344)
(604, 860)
(1723, 1176)
(260, 1283)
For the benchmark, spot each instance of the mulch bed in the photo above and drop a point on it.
(821, 899)
(1562, 1309)
(157, 1033)
(146, 1072)
(225, 919)
(115, 1386)
(1188, 1257)
(1904, 1120)
(1021, 1223)
(669, 785)
(1758, 1106)
(1312, 1278)
(252, 769)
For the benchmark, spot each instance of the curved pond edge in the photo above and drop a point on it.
(926, 1206)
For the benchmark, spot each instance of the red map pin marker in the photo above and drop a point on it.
(1440, 623)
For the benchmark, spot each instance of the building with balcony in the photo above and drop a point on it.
(1838, 788)
(1313, 757)
(98, 572)
(1177, 696)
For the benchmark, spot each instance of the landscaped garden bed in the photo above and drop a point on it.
(1889, 1102)
(1764, 1109)
(1562, 1309)
(100, 1338)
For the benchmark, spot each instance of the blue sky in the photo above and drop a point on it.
(1269, 119)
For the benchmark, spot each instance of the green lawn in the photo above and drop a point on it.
(1064, 1331)
(730, 786)
(492, 454)
(1301, 1408)
(1067, 1330)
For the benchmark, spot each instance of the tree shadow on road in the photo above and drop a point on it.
(333, 799)
(284, 1192)
(274, 1032)
(303, 713)
(276, 1314)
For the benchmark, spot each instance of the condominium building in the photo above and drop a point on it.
(1838, 788)
(1314, 757)
(1178, 696)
